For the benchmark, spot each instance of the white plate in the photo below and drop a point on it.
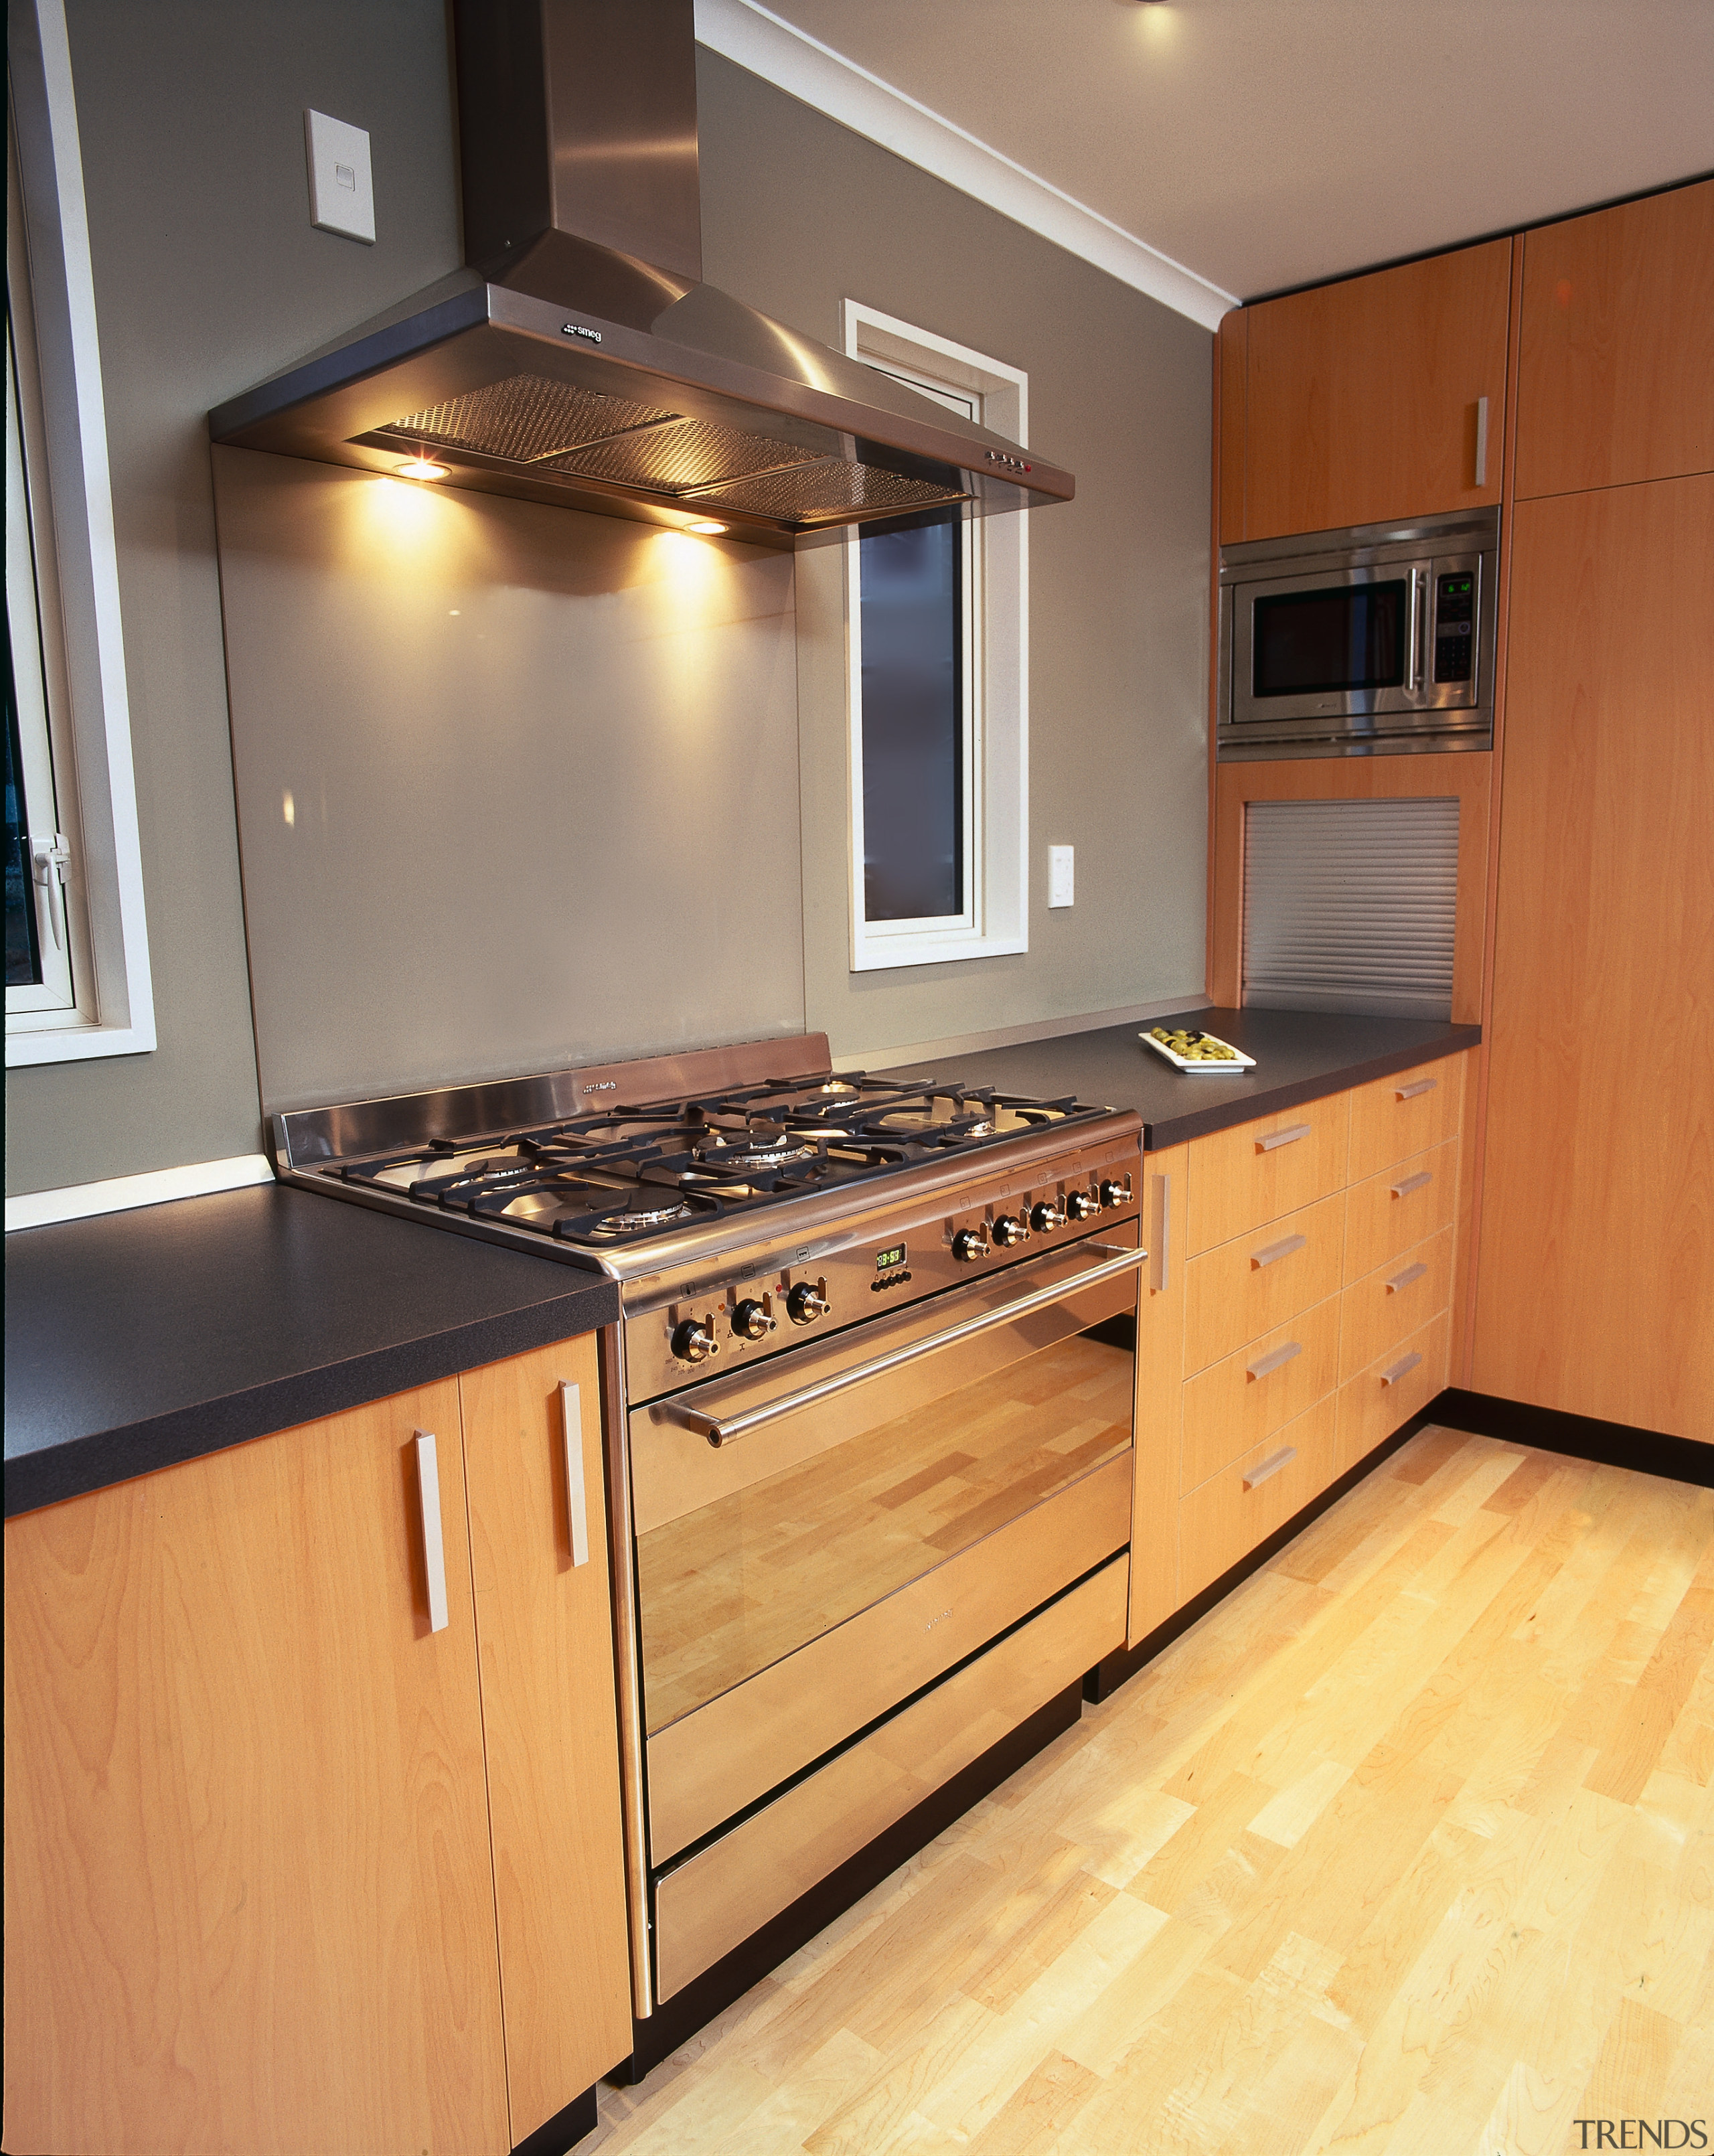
(1221, 1069)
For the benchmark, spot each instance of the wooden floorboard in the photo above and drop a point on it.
(1407, 1846)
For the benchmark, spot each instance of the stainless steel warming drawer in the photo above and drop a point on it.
(717, 1897)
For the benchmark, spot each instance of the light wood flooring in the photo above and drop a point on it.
(1407, 1846)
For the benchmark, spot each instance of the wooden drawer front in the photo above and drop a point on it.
(1393, 1210)
(1372, 1405)
(1405, 1114)
(1230, 1514)
(1258, 1281)
(1241, 1178)
(1229, 1411)
(1395, 1301)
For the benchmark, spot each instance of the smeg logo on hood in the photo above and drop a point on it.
(578, 330)
(601, 1085)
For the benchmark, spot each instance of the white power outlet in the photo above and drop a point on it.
(1061, 878)
(341, 185)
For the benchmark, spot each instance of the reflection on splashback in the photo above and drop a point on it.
(516, 787)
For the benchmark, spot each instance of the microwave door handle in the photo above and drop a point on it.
(1413, 681)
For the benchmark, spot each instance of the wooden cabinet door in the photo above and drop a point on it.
(1616, 370)
(545, 1630)
(1361, 397)
(249, 1898)
(1596, 1275)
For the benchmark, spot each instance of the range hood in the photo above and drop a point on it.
(581, 361)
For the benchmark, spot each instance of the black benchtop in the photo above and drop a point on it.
(1299, 1056)
(139, 1339)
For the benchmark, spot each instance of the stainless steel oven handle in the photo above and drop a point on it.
(722, 1430)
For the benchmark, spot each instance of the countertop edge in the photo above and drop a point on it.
(121, 1453)
(1225, 1115)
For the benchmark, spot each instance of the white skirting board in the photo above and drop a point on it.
(122, 1194)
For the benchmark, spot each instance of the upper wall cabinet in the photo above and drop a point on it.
(1616, 376)
(1364, 401)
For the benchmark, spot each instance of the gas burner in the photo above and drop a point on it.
(645, 1210)
(762, 1146)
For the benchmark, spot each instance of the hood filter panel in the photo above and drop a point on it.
(525, 419)
(829, 487)
(675, 459)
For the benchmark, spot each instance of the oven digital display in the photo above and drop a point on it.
(890, 1259)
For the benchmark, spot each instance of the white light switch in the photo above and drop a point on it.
(1061, 866)
(341, 189)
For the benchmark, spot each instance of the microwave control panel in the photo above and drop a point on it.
(1455, 625)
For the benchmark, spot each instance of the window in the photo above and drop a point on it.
(77, 970)
(937, 639)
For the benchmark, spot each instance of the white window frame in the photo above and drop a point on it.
(68, 546)
(996, 582)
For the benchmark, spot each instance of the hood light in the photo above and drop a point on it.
(706, 530)
(422, 468)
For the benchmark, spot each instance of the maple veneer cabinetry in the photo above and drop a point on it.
(1295, 1313)
(1595, 1284)
(1358, 402)
(1616, 360)
(265, 1890)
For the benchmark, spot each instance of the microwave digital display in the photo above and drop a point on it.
(1349, 636)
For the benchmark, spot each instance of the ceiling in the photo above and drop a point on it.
(1267, 143)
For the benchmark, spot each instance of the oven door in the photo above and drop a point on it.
(820, 1537)
(1382, 649)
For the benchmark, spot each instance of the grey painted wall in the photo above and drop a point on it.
(209, 277)
(798, 214)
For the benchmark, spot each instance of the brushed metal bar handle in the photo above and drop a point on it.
(1275, 1359)
(1400, 1281)
(571, 1428)
(1401, 1369)
(1275, 1251)
(1289, 1136)
(722, 1430)
(1423, 1177)
(1163, 1232)
(1481, 441)
(434, 1548)
(1257, 1476)
(1414, 680)
(1410, 1092)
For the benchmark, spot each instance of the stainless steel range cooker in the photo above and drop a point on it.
(870, 1415)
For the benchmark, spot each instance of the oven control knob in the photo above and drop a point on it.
(969, 1245)
(1009, 1229)
(1117, 1194)
(805, 1304)
(1082, 1204)
(1044, 1216)
(753, 1320)
(694, 1340)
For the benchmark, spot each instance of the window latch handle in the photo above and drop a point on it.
(48, 858)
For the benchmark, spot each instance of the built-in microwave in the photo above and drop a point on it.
(1372, 641)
